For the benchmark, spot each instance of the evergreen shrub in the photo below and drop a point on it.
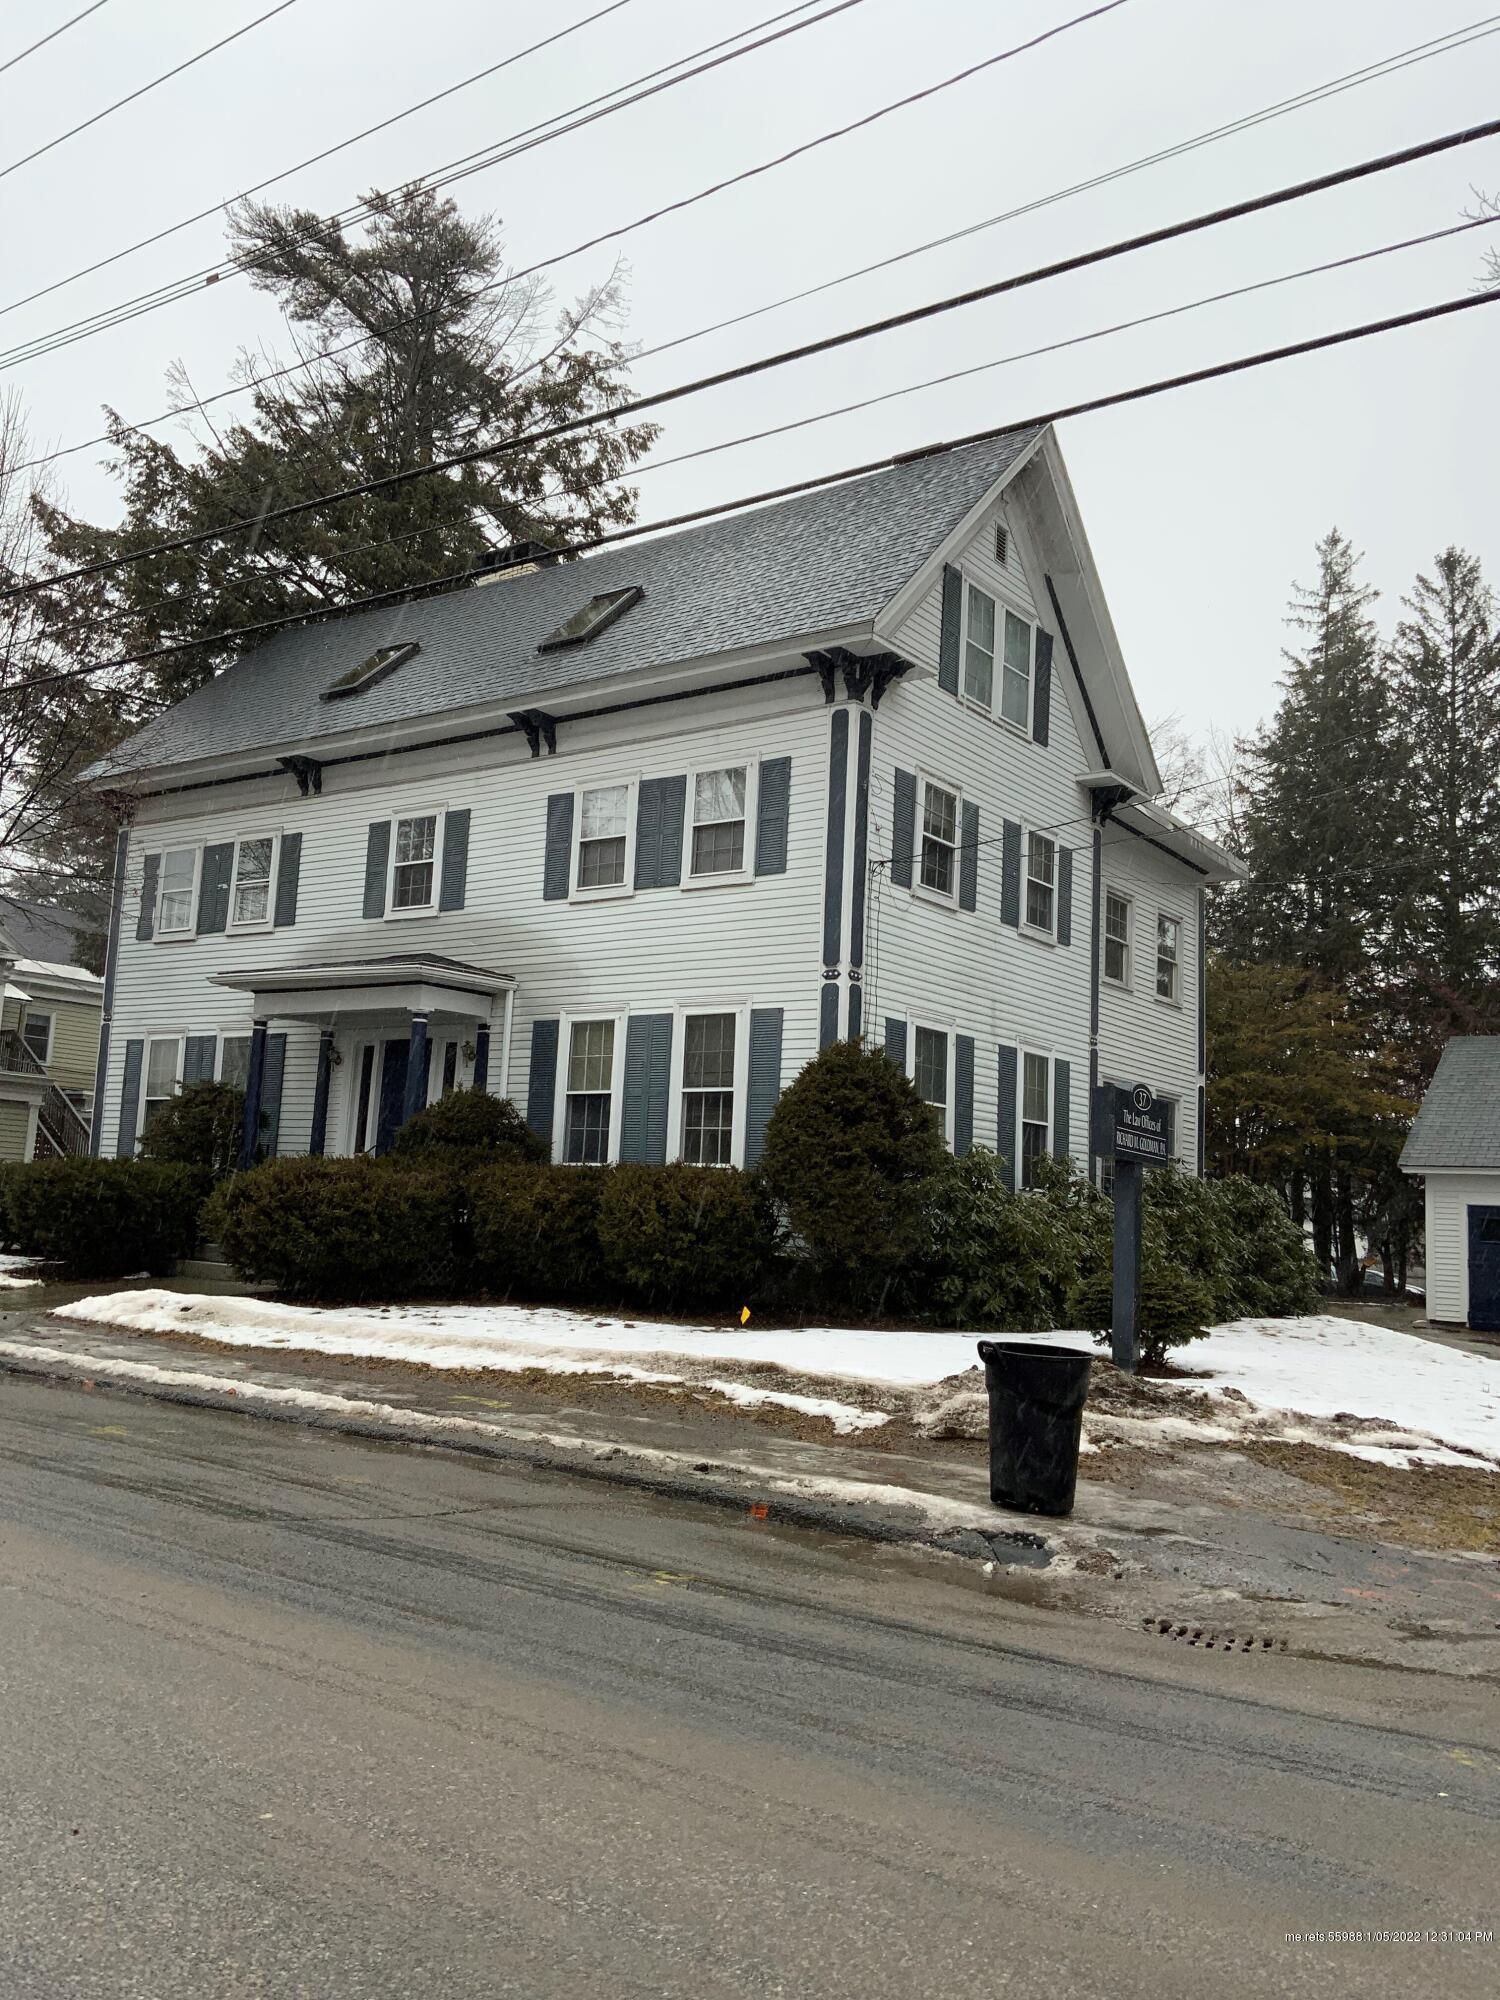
(1175, 1307)
(343, 1229)
(200, 1127)
(995, 1259)
(678, 1235)
(470, 1123)
(536, 1231)
(848, 1151)
(104, 1218)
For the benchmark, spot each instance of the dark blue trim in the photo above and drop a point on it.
(861, 852)
(111, 960)
(833, 871)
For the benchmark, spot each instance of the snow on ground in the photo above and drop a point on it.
(17, 1270)
(1319, 1367)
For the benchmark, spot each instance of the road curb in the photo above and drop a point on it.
(709, 1482)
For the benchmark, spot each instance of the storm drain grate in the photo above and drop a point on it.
(1211, 1639)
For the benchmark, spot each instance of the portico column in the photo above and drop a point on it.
(416, 1069)
(482, 1056)
(318, 1142)
(254, 1085)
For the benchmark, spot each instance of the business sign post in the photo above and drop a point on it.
(1130, 1128)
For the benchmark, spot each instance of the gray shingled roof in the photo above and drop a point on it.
(49, 936)
(1459, 1122)
(806, 565)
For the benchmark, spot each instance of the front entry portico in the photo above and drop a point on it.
(388, 1016)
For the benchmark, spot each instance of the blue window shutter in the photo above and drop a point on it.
(903, 827)
(541, 1088)
(1005, 1117)
(963, 1093)
(895, 1041)
(288, 880)
(1062, 1108)
(828, 1013)
(1041, 700)
(377, 855)
(270, 1095)
(1202, 1128)
(146, 920)
(213, 887)
(968, 858)
(557, 863)
(660, 805)
(1010, 873)
(646, 1088)
(953, 603)
(764, 1083)
(198, 1058)
(1065, 895)
(455, 876)
(130, 1097)
(771, 814)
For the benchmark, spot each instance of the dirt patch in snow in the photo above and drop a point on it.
(1423, 1506)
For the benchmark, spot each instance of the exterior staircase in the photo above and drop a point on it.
(62, 1132)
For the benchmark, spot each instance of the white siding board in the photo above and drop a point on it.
(1143, 1039)
(1448, 1200)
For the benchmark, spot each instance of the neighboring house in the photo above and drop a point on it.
(1455, 1146)
(627, 839)
(49, 1036)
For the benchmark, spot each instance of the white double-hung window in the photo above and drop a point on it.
(1168, 957)
(719, 816)
(589, 1099)
(603, 837)
(1041, 883)
(1015, 677)
(163, 1071)
(709, 1050)
(979, 646)
(414, 854)
(250, 895)
(1116, 938)
(938, 870)
(1036, 1111)
(176, 884)
(929, 1072)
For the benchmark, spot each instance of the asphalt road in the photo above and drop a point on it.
(284, 1715)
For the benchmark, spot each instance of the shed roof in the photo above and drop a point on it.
(808, 565)
(1458, 1125)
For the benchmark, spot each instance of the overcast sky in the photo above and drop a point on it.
(1202, 506)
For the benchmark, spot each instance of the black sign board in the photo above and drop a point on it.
(1131, 1124)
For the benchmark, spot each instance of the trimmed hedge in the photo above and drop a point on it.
(200, 1127)
(471, 1123)
(1175, 1307)
(536, 1231)
(344, 1229)
(103, 1218)
(679, 1235)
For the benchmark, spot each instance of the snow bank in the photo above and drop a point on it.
(18, 1270)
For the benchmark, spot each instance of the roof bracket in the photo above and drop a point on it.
(870, 675)
(826, 665)
(540, 728)
(307, 771)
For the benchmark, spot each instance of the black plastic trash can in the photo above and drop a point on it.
(1037, 1395)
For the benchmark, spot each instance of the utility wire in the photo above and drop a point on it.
(313, 159)
(912, 316)
(1469, 302)
(530, 137)
(11, 61)
(1422, 52)
(166, 77)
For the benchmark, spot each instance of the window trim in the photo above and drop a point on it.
(565, 1026)
(681, 1014)
(1022, 1121)
(439, 839)
(180, 1042)
(1022, 729)
(245, 1035)
(159, 934)
(1174, 998)
(266, 922)
(984, 707)
(746, 871)
(1127, 984)
(49, 1015)
(1043, 935)
(610, 891)
(918, 886)
(949, 1031)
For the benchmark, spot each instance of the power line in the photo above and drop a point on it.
(11, 61)
(1390, 65)
(530, 137)
(314, 159)
(912, 316)
(1469, 302)
(166, 77)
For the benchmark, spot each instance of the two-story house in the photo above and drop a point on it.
(49, 1033)
(627, 839)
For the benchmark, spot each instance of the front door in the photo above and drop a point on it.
(1484, 1270)
(393, 1065)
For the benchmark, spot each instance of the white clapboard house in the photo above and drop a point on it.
(628, 838)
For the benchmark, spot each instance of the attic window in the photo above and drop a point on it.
(383, 661)
(598, 614)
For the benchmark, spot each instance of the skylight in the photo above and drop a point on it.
(384, 660)
(598, 614)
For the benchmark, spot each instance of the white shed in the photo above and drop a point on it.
(1455, 1146)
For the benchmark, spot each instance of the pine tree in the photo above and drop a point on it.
(1444, 666)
